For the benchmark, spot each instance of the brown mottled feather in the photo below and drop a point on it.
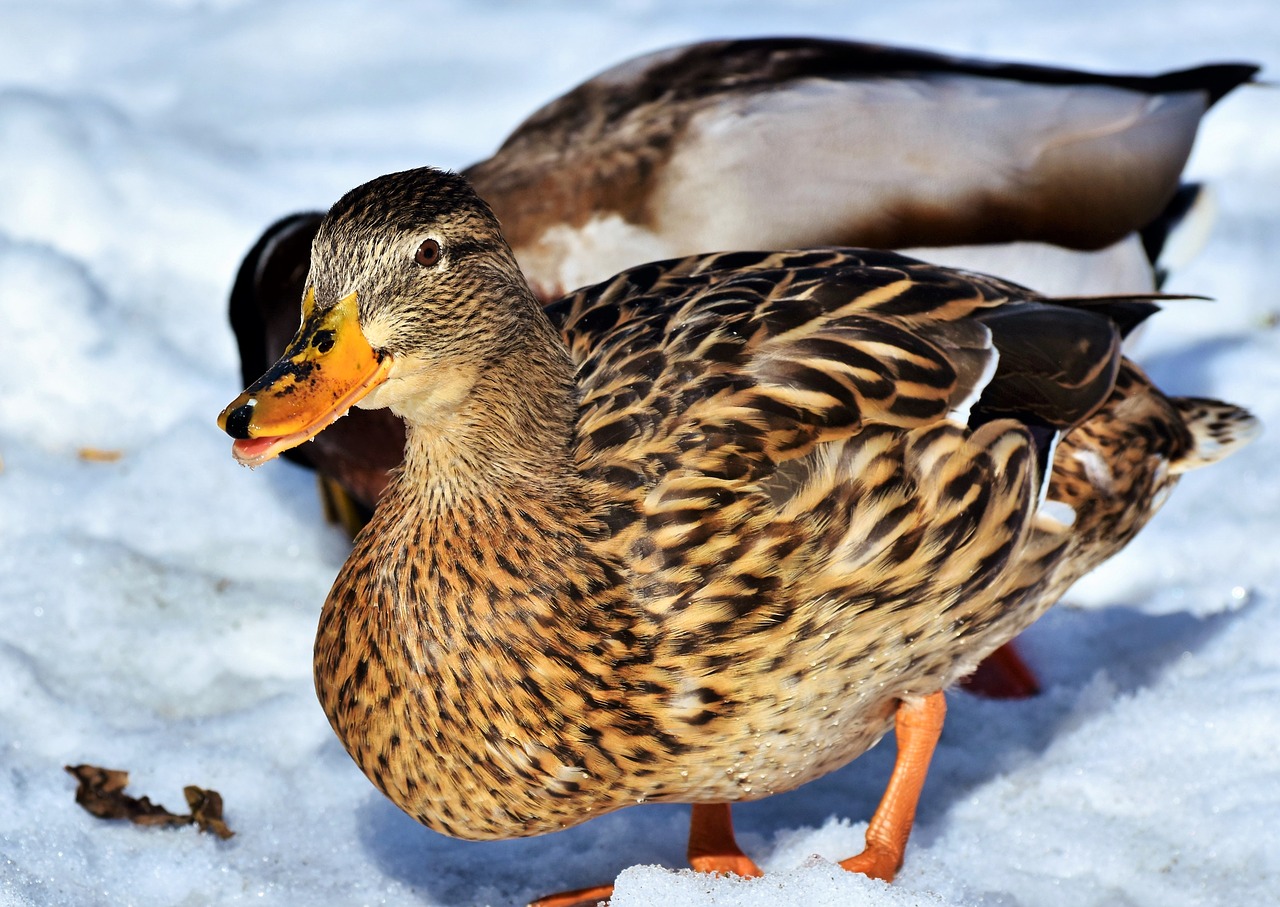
(699, 543)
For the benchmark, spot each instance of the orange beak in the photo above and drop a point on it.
(327, 368)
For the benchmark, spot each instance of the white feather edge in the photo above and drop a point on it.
(961, 411)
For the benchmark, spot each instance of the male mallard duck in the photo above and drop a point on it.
(700, 533)
(786, 142)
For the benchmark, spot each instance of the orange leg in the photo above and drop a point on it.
(1003, 675)
(712, 847)
(917, 727)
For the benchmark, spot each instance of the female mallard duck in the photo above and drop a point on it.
(700, 533)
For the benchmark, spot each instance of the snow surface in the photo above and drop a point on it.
(159, 609)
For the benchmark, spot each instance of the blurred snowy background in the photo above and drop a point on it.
(158, 609)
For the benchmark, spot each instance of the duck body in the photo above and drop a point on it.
(700, 532)
(651, 650)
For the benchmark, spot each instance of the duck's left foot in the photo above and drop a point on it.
(712, 847)
(917, 727)
(1003, 675)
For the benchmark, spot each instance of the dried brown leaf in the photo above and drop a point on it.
(206, 810)
(101, 792)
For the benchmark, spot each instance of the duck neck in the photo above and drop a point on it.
(486, 540)
(508, 435)
(489, 503)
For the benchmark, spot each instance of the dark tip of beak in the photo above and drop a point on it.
(237, 424)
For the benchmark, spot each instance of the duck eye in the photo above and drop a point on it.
(428, 254)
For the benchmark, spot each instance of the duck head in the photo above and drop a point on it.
(410, 295)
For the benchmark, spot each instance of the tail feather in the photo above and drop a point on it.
(1217, 430)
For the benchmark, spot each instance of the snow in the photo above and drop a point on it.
(159, 608)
